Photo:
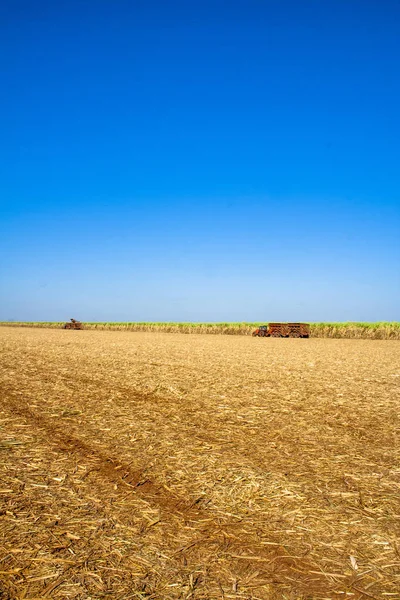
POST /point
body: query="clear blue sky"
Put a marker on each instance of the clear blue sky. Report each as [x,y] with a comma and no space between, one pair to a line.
[200,160]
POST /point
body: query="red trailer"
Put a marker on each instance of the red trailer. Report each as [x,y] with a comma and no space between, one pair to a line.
[296,330]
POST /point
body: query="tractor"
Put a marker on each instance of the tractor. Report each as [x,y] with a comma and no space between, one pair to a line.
[261,331]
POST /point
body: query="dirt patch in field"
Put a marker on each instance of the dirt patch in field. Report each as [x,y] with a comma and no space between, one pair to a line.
[151,466]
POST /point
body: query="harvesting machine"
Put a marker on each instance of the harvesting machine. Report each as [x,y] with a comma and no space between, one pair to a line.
[73,325]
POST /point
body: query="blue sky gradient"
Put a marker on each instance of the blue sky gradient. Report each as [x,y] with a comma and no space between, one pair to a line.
[192,161]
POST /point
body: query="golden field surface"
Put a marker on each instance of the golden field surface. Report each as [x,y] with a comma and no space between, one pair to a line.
[150,465]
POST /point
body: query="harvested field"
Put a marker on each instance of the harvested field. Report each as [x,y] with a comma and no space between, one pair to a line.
[143,465]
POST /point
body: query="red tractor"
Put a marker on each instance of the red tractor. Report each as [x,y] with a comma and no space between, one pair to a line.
[261,331]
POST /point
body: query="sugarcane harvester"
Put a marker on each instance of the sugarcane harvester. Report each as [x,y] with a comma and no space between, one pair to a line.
[73,324]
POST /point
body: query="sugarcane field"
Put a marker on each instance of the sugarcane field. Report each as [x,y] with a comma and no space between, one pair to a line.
[139,464]
[199,300]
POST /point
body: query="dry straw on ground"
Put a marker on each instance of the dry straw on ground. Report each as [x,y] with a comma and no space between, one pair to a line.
[204,467]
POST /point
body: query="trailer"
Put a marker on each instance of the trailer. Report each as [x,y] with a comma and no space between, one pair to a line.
[285,330]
